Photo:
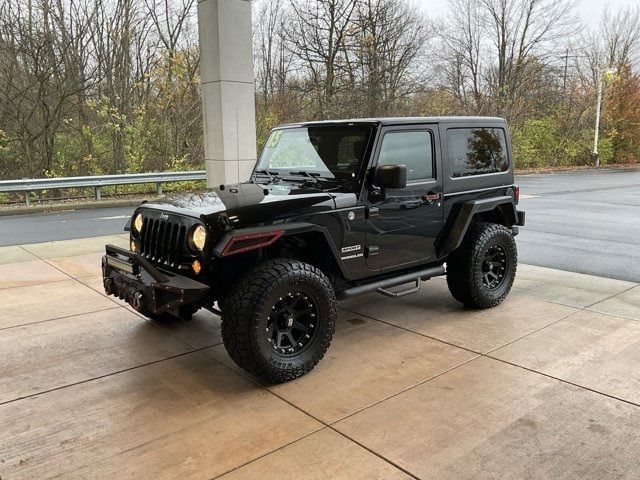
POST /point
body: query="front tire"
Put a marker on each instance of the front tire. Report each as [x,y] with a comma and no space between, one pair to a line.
[480,273]
[279,319]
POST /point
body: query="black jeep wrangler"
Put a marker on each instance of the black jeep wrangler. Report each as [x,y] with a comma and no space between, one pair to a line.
[332,210]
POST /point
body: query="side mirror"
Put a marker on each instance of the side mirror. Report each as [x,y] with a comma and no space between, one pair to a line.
[391,176]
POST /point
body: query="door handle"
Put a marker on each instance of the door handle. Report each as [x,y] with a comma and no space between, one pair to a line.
[431,197]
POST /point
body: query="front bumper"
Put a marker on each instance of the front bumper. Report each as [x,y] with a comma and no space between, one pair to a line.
[130,277]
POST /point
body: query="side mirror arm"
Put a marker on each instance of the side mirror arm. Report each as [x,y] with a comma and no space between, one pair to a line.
[377,194]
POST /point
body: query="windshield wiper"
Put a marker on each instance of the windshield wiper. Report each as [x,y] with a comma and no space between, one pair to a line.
[272,175]
[305,173]
[315,178]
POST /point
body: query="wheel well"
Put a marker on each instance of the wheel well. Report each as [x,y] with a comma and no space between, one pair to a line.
[309,247]
[501,214]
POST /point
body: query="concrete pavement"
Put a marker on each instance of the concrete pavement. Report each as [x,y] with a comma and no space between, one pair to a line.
[546,385]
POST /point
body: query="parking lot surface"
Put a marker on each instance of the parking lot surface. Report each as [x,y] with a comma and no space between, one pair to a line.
[546,385]
[585,222]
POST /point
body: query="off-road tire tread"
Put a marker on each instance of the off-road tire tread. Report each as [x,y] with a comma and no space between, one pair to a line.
[248,295]
[463,284]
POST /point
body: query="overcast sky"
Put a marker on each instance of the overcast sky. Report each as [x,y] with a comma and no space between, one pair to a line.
[590,10]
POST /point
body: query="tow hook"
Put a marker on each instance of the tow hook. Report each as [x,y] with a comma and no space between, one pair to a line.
[136,302]
[109,286]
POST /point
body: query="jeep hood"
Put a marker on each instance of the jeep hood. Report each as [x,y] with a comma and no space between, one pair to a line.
[249,203]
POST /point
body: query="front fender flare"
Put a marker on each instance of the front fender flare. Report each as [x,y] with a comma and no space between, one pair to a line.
[288,229]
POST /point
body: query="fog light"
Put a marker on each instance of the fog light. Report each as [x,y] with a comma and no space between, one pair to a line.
[196,267]
[132,246]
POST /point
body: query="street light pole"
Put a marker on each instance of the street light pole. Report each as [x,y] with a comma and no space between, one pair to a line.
[596,154]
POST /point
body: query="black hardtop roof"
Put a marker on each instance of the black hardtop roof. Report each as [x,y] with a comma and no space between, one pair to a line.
[401,121]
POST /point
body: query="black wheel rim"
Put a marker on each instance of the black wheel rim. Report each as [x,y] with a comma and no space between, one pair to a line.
[494,267]
[292,323]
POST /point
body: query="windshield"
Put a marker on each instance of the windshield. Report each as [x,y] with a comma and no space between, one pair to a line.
[323,151]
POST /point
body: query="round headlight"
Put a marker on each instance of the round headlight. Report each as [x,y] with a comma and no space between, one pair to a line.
[137,223]
[198,237]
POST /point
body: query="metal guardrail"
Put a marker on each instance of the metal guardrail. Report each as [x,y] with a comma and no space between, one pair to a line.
[29,185]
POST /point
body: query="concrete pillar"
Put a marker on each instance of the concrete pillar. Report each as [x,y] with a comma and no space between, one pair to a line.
[226,67]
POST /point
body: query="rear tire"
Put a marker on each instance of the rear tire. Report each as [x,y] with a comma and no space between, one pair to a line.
[279,319]
[480,273]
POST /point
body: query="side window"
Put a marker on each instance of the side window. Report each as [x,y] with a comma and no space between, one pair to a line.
[477,151]
[412,149]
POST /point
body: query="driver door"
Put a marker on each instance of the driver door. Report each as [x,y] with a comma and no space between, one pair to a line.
[402,226]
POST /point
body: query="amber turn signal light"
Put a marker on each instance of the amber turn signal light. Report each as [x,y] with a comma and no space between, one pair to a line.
[196,267]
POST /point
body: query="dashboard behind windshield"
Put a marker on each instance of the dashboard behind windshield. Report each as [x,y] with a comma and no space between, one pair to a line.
[324,151]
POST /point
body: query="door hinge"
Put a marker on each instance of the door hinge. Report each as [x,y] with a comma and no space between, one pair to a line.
[371,251]
[372,212]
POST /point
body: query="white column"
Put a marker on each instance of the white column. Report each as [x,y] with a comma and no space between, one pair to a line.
[226,68]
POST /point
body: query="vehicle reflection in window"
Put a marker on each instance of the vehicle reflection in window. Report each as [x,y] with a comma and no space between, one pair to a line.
[412,149]
[477,151]
[401,203]
[401,214]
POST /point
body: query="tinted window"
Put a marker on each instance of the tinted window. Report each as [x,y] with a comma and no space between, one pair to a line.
[412,149]
[476,151]
[351,149]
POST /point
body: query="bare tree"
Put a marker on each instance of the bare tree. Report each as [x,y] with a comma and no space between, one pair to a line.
[319,31]
[464,55]
[497,53]
[614,44]
[39,55]
[385,55]
[273,62]
[521,31]
[620,33]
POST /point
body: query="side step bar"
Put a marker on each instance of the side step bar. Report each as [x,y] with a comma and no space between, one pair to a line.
[401,293]
[416,276]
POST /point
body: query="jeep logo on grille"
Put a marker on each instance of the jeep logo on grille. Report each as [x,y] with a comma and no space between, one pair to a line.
[164,216]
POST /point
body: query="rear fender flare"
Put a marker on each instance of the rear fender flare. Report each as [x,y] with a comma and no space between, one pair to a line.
[461,216]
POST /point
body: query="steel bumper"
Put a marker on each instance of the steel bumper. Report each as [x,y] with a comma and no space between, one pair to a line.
[130,277]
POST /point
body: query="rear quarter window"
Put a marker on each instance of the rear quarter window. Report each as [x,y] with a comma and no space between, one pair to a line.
[477,151]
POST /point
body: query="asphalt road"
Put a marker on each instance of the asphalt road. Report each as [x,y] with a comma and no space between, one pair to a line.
[587,222]
[46,227]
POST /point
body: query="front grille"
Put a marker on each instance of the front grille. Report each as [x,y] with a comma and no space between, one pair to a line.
[163,241]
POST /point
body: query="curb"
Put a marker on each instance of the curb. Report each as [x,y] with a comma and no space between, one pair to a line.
[65,207]
[578,169]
